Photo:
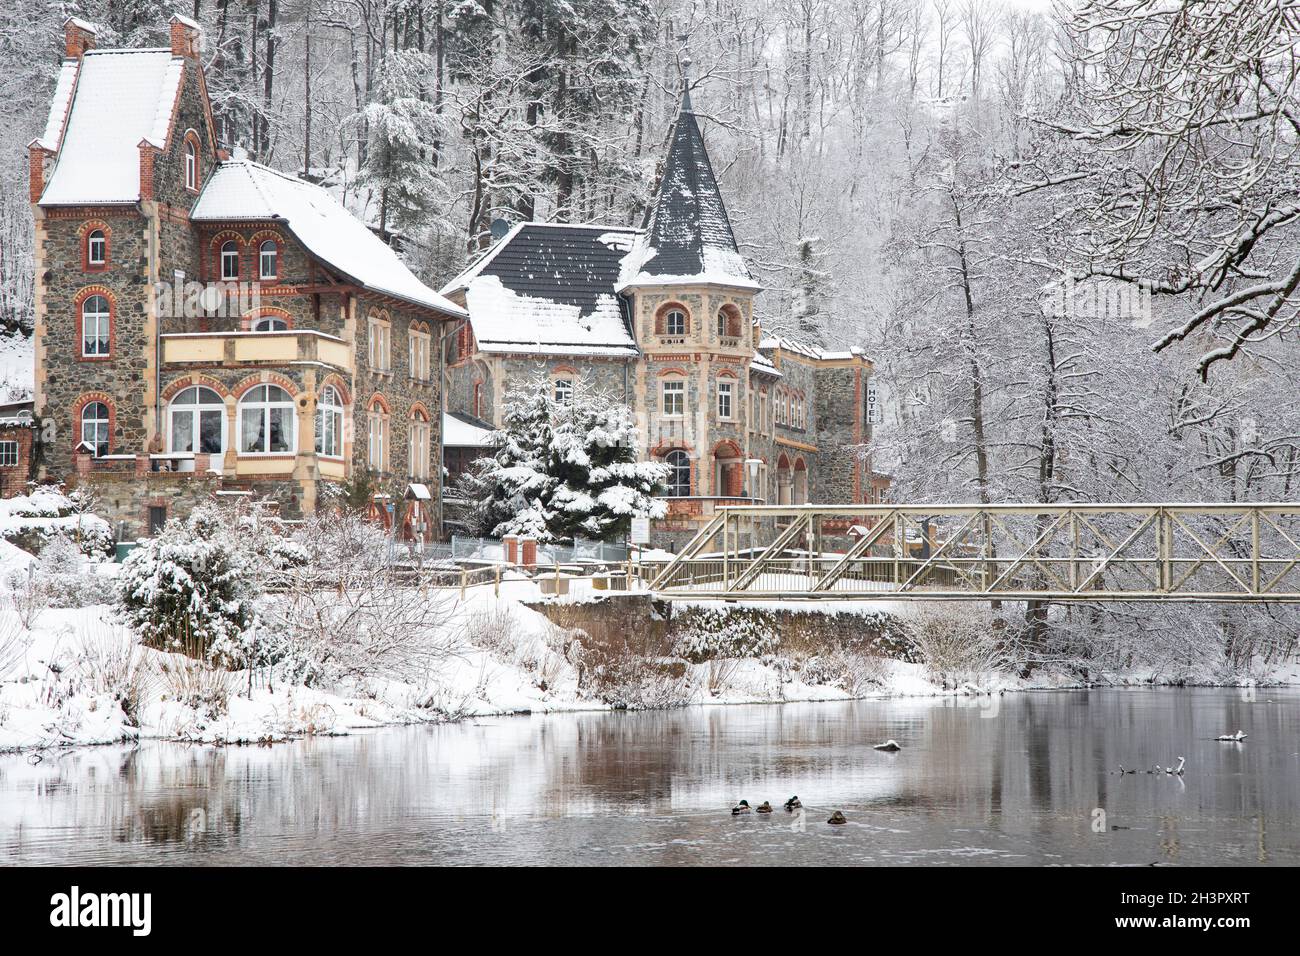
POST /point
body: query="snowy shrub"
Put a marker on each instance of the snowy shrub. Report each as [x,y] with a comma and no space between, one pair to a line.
[31,521]
[957,644]
[112,664]
[196,684]
[60,577]
[709,633]
[343,614]
[192,587]
[853,672]
[14,641]
[491,627]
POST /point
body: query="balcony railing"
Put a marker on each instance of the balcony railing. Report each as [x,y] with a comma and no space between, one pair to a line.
[255,348]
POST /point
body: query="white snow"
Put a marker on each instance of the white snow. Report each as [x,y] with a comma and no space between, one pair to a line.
[118,100]
[244,190]
[17,364]
[63,87]
[460,434]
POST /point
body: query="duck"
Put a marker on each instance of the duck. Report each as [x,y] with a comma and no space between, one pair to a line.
[889,745]
[764,807]
[793,804]
[837,818]
[1236,738]
[1122,771]
[741,807]
[1176,771]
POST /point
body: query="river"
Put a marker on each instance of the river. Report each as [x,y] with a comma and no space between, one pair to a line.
[1019,779]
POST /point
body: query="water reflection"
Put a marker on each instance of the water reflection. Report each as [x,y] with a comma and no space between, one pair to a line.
[1016,779]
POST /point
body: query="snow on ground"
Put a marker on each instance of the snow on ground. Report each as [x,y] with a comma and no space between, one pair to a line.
[60,682]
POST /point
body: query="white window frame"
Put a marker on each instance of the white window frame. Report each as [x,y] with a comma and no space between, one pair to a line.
[8,454]
[266,405]
[563,391]
[176,405]
[418,344]
[727,391]
[270,323]
[376,438]
[676,388]
[262,254]
[100,318]
[191,165]
[379,349]
[420,439]
[106,421]
[668,322]
[230,254]
[96,238]
[674,459]
[329,403]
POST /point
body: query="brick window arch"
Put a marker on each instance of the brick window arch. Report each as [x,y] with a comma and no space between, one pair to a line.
[728,322]
[191,161]
[268,319]
[673,319]
[96,313]
[96,239]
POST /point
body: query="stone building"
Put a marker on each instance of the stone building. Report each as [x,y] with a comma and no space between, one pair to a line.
[662,318]
[206,324]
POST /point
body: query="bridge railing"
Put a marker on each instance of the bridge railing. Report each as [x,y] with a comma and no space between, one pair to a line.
[1125,551]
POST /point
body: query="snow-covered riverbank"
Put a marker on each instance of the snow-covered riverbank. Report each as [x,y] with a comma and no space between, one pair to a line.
[78,677]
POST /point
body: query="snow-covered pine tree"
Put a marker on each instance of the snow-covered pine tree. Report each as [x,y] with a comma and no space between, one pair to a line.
[811,279]
[601,485]
[401,123]
[512,488]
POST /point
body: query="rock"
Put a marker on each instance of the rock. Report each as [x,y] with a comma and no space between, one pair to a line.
[888,745]
[837,818]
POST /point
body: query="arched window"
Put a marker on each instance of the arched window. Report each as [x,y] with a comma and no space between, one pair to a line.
[95,427]
[197,421]
[377,436]
[329,423]
[96,249]
[266,421]
[96,323]
[722,324]
[191,165]
[679,474]
[230,259]
[270,323]
[675,322]
[418,432]
[268,260]
[564,391]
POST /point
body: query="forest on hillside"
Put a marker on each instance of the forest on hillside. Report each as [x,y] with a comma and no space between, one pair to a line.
[1065,234]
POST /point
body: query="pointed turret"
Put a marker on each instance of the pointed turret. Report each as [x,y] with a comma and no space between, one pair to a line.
[687,229]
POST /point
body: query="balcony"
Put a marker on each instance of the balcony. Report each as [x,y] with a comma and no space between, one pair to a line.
[255,348]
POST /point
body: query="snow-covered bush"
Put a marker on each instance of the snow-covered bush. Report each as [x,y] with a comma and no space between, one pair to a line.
[60,577]
[343,614]
[708,633]
[112,663]
[197,685]
[192,587]
[31,521]
[957,644]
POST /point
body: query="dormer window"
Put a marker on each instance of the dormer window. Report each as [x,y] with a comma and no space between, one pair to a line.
[675,322]
[268,258]
[230,259]
[96,249]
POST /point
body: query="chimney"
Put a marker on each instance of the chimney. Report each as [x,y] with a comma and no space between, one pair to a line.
[186,36]
[78,37]
[37,157]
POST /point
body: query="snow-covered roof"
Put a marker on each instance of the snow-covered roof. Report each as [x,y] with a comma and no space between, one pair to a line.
[774,342]
[120,98]
[761,363]
[244,190]
[687,237]
[550,289]
[463,431]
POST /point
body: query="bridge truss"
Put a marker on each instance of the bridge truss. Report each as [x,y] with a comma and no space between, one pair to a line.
[1013,552]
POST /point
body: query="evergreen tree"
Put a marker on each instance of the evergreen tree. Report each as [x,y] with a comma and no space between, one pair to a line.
[512,488]
[401,122]
[601,484]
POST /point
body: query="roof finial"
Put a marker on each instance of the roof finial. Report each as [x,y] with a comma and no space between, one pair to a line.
[685,61]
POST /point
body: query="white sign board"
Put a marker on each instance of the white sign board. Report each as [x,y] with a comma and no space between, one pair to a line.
[874,415]
[640,531]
